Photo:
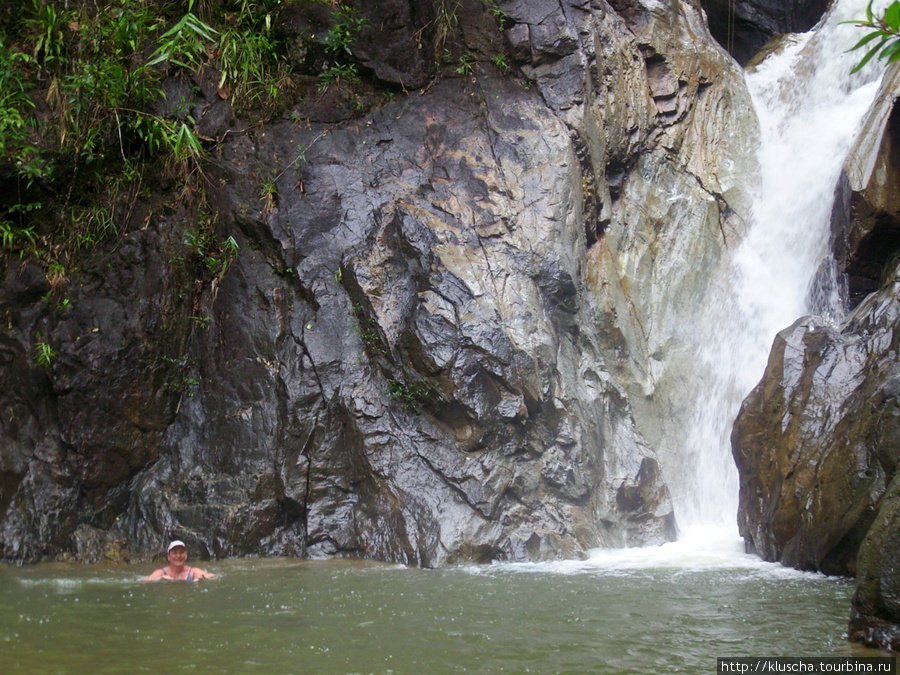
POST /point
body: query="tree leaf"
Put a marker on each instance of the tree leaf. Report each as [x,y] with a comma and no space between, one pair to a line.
[868,57]
[892,16]
[890,52]
[867,39]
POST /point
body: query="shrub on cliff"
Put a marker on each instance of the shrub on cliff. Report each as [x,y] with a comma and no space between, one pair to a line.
[83,110]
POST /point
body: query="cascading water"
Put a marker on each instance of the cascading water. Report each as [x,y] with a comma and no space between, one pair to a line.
[810,109]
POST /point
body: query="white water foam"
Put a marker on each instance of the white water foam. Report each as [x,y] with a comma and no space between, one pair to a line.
[699,549]
[810,109]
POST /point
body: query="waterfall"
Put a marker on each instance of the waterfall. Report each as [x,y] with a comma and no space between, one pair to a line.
[810,109]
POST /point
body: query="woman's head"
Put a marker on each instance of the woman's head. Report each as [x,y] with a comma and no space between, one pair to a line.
[176,552]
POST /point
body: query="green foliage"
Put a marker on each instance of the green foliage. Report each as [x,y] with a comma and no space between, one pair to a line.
[885,31]
[48,24]
[448,43]
[368,332]
[14,103]
[7,235]
[230,247]
[90,58]
[250,55]
[100,88]
[339,72]
[494,8]
[269,194]
[89,226]
[81,161]
[446,21]
[412,396]
[465,65]
[340,36]
[44,354]
[184,142]
[202,321]
[186,44]
[74,167]
[14,238]
[214,258]
[338,41]
[253,72]
[180,378]
[124,30]
[501,61]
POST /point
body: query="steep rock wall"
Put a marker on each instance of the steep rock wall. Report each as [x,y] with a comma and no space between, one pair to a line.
[428,346]
[673,206]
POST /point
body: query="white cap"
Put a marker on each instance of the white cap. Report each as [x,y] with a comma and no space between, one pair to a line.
[176,542]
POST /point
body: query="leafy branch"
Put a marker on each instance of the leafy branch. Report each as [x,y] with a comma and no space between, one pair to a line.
[885,29]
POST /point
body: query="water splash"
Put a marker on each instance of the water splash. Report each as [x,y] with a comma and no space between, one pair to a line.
[810,110]
[699,550]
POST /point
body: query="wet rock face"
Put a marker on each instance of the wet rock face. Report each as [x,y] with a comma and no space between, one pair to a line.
[815,442]
[665,172]
[397,50]
[76,430]
[875,614]
[395,363]
[866,219]
[744,26]
[429,345]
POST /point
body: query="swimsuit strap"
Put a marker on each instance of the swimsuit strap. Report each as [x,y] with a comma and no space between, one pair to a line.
[187,578]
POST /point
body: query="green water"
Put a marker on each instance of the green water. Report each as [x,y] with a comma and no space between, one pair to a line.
[288,616]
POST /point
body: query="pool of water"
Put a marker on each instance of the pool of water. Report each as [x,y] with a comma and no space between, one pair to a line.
[668,610]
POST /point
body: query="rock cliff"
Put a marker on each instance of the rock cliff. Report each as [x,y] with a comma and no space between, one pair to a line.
[428,344]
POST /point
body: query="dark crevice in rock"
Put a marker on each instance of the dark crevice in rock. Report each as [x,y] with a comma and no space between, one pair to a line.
[262,239]
[591,207]
[874,259]
[865,224]
[744,26]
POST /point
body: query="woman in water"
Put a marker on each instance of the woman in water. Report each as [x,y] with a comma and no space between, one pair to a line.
[176,570]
